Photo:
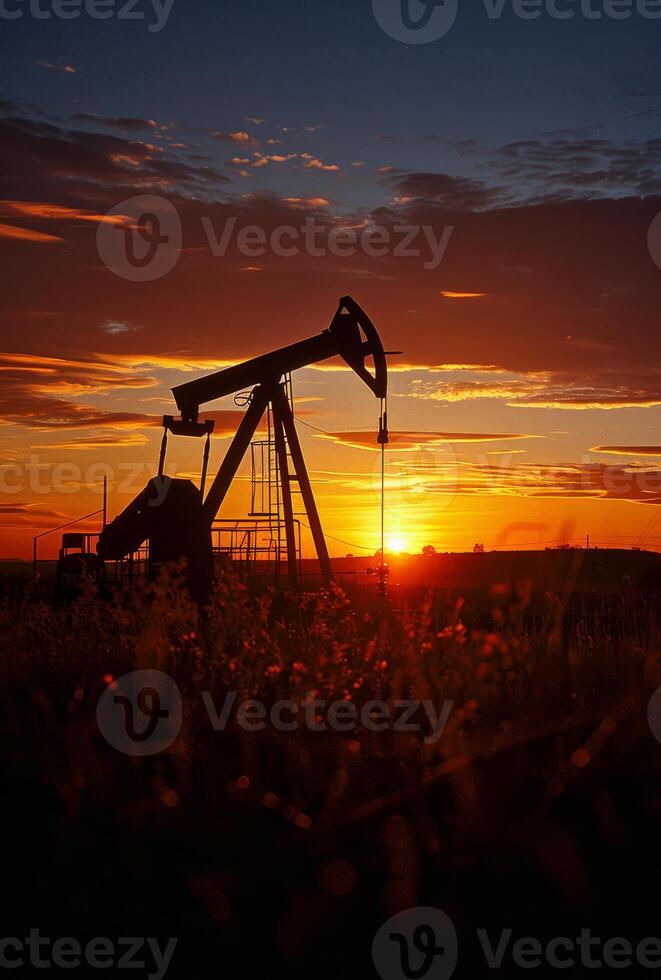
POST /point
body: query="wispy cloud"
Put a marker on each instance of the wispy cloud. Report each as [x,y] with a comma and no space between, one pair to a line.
[551,390]
[125,123]
[114,327]
[60,65]
[27,234]
[415,440]
[450,295]
[239,136]
[628,450]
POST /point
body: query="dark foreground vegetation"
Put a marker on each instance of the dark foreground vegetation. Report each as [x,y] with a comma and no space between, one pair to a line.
[279,854]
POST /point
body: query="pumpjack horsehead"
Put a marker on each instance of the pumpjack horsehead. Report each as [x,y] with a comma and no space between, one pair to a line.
[174,514]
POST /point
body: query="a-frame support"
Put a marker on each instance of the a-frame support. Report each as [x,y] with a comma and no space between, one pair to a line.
[285,437]
[286,497]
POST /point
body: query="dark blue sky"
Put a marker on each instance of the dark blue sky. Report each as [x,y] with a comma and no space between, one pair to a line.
[328,64]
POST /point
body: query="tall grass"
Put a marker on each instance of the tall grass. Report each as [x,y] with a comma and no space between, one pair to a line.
[513,676]
[543,689]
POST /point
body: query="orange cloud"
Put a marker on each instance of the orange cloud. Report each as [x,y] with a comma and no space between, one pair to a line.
[45,211]
[94,442]
[595,481]
[628,450]
[312,163]
[32,387]
[177,360]
[415,440]
[450,295]
[306,202]
[404,366]
[26,234]
[545,390]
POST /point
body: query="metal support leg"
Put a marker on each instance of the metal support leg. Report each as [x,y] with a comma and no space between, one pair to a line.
[285,413]
[287,507]
[235,454]
[164,449]
[205,465]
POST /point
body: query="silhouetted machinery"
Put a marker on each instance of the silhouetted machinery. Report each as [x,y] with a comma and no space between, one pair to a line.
[174,514]
[76,563]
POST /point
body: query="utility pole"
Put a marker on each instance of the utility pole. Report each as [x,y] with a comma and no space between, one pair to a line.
[587,543]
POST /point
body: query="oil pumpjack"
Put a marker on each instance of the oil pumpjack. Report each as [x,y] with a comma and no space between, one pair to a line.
[176,516]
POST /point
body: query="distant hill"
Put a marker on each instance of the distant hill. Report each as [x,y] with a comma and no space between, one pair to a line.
[598,570]
[12,568]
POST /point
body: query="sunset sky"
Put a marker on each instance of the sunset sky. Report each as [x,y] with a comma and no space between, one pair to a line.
[526,407]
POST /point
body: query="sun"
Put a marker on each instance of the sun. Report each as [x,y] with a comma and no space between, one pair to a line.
[396,544]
